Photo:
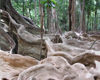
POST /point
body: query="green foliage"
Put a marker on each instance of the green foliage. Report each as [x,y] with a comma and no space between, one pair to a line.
[48,3]
[61,6]
[90,5]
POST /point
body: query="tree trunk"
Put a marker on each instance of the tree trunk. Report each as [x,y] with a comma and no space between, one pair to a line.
[55,26]
[42,25]
[35,10]
[73,14]
[6,5]
[82,17]
[72,4]
[49,16]
[23,7]
[88,20]
[95,20]
[70,22]
[52,22]
[41,13]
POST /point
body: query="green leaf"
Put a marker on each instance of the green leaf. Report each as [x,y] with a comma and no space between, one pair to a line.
[43,1]
[53,1]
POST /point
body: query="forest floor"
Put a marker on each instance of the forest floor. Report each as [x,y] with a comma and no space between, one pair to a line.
[72,56]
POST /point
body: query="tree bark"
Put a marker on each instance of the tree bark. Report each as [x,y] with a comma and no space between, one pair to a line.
[95,20]
[88,20]
[42,25]
[70,6]
[23,7]
[72,24]
[49,16]
[82,17]
[35,11]
[55,26]
[52,23]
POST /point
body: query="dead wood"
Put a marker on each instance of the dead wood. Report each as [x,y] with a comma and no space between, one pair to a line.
[92,44]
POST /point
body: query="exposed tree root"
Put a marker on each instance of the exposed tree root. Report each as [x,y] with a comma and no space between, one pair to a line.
[28,39]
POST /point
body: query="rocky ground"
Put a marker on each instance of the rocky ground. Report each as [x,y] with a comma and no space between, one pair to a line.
[72,56]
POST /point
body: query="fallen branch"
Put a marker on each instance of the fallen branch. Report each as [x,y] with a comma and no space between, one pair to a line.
[92,44]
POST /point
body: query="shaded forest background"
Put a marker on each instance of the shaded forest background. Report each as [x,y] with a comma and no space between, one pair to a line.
[61,8]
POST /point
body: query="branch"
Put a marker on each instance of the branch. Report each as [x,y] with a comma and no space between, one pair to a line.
[92,44]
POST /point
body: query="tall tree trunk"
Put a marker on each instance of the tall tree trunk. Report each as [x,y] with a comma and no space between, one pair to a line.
[82,17]
[35,10]
[95,20]
[52,23]
[73,15]
[72,4]
[55,26]
[42,26]
[92,24]
[41,10]
[2,3]
[49,16]
[70,22]
[44,15]
[23,7]
[88,19]
[28,10]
